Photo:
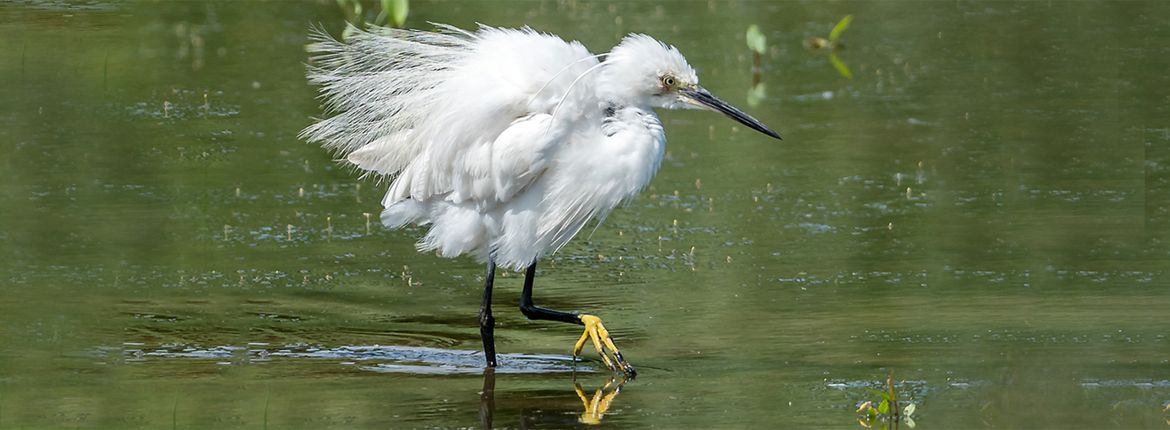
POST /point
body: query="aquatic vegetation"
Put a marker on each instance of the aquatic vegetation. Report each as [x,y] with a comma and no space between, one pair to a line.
[393,12]
[817,43]
[833,44]
[840,27]
[758,43]
[757,94]
[886,413]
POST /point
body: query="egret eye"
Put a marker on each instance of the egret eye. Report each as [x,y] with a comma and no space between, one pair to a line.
[668,81]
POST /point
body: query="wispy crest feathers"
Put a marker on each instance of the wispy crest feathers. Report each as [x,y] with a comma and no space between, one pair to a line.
[378,84]
[421,102]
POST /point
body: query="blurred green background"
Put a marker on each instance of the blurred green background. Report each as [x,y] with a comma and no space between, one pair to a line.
[983,209]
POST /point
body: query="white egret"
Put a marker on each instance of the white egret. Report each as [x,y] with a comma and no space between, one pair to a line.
[506,142]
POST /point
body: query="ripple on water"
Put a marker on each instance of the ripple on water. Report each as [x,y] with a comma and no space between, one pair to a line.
[63,5]
[1125,383]
[372,358]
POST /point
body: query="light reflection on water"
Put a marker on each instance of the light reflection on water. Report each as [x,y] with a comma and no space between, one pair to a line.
[372,358]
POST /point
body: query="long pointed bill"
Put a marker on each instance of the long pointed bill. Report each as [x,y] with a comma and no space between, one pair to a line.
[701,98]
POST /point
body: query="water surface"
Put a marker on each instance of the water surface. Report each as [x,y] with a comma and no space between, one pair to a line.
[982,210]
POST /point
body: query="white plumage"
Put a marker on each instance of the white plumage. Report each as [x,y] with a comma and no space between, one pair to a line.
[507,142]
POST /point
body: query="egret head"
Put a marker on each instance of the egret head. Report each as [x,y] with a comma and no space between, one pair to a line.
[645,72]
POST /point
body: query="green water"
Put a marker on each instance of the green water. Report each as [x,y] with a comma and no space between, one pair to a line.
[984,209]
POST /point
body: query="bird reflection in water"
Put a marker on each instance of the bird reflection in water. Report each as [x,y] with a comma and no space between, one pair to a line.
[487,398]
[594,408]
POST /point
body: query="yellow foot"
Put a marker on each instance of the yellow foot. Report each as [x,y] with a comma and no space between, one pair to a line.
[600,336]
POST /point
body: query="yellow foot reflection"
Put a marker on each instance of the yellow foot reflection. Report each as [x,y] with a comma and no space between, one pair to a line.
[596,407]
[600,336]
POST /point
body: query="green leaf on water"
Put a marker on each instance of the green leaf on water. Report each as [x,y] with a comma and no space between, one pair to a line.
[884,407]
[756,41]
[840,66]
[840,27]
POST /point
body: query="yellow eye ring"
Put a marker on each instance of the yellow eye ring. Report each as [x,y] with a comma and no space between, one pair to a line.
[668,81]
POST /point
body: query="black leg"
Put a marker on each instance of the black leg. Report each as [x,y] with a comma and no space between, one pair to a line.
[534,313]
[486,322]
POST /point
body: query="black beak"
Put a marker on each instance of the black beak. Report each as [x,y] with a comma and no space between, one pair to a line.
[700,97]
